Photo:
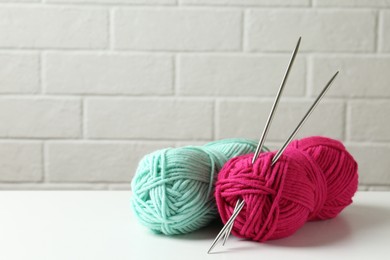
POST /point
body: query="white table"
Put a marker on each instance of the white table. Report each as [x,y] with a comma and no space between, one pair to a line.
[99,225]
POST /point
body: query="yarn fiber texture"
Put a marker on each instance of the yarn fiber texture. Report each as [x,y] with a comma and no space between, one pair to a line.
[314,179]
[173,188]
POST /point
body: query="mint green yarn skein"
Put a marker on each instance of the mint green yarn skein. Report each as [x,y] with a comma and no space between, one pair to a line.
[173,188]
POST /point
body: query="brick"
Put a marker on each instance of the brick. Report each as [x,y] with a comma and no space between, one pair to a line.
[379,188]
[120,187]
[53,186]
[149,118]
[20,161]
[321,30]
[39,118]
[358,76]
[138,2]
[384,38]
[53,27]
[247,119]
[177,29]
[362,188]
[18,1]
[96,162]
[272,146]
[238,75]
[247,2]
[373,161]
[19,73]
[369,120]
[190,143]
[109,74]
[352,3]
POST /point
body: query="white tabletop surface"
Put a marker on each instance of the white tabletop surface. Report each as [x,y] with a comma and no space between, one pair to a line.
[99,225]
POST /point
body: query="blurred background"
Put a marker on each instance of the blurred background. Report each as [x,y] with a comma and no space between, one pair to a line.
[87,87]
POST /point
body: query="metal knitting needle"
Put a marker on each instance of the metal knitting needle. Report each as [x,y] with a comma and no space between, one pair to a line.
[281,150]
[229,230]
[277,156]
[232,218]
[275,105]
[270,117]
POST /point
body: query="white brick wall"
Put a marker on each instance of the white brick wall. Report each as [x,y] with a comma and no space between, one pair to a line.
[237,75]
[87,87]
[70,73]
[322,30]
[177,29]
[328,119]
[38,117]
[19,73]
[96,161]
[148,118]
[53,27]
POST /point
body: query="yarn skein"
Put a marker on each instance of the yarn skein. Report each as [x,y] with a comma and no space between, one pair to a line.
[173,188]
[314,179]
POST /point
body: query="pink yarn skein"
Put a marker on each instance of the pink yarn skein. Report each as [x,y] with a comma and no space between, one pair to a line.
[314,179]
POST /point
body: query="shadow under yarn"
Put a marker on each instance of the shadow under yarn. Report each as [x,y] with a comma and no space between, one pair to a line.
[317,233]
[354,220]
[357,220]
[204,233]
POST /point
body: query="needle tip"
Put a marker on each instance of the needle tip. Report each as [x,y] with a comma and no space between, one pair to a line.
[299,42]
[334,76]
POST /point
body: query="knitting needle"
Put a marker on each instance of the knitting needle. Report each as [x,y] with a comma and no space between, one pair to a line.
[232,218]
[277,156]
[229,230]
[281,150]
[274,106]
[270,117]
